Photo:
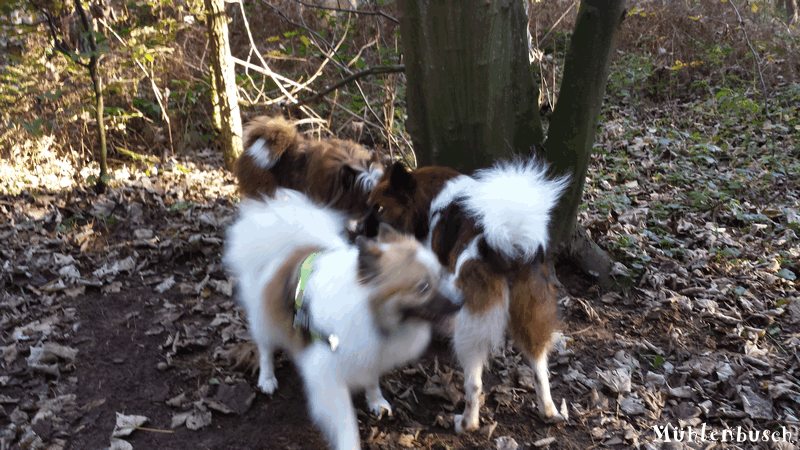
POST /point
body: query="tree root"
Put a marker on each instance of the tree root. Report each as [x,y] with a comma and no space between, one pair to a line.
[588,257]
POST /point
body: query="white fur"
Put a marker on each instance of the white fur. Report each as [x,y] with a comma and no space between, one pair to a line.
[448,288]
[261,154]
[368,179]
[512,202]
[459,186]
[547,409]
[476,335]
[261,239]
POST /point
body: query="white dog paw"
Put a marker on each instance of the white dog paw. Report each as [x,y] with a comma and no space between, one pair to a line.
[267,384]
[551,415]
[462,427]
[554,419]
[380,407]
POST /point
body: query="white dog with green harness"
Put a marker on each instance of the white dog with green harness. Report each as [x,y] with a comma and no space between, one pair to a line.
[345,313]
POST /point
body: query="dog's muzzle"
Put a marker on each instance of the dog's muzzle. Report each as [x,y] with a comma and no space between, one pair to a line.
[437,308]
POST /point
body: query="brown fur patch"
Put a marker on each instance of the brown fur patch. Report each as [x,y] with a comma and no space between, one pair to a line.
[533,310]
[278,295]
[369,256]
[396,278]
[324,170]
[481,287]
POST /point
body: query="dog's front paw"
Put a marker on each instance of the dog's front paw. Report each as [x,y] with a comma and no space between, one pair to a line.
[267,383]
[462,426]
[379,407]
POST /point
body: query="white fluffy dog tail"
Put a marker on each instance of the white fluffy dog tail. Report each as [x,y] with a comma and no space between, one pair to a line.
[512,202]
[268,230]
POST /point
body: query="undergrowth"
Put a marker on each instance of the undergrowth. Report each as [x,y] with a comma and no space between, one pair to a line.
[684,81]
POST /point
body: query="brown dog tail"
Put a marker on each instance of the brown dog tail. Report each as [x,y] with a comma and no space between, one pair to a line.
[267,140]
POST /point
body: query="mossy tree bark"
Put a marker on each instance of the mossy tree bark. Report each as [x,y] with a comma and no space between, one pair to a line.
[226,98]
[471,96]
[574,123]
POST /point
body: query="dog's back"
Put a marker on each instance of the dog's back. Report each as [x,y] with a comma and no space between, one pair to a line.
[333,172]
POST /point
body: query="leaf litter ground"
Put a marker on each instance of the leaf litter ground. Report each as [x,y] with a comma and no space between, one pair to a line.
[119,328]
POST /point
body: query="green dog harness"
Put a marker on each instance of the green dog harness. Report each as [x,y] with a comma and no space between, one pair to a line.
[302,318]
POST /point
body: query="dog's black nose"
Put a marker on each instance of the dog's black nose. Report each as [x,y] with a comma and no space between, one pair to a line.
[445,306]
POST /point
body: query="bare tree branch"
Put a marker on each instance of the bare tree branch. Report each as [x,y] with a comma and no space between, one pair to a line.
[340,64]
[353,77]
[59,44]
[354,11]
[267,70]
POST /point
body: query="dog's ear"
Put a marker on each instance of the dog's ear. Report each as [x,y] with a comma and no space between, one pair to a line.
[368,255]
[348,176]
[387,234]
[400,179]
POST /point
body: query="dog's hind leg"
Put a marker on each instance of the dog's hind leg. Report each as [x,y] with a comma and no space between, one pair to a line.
[533,320]
[266,371]
[547,409]
[476,334]
[471,356]
[261,330]
[329,400]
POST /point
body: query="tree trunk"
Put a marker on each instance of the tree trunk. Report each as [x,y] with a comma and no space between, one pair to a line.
[97,82]
[472,99]
[224,81]
[575,120]
[792,12]
[102,182]
[470,92]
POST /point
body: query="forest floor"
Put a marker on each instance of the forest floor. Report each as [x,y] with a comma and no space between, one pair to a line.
[116,305]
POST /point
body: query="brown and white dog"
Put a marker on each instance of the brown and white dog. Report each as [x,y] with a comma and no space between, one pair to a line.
[490,231]
[334,172]
[345,313]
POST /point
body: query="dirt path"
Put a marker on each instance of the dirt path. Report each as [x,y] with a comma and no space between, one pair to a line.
[118,372]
